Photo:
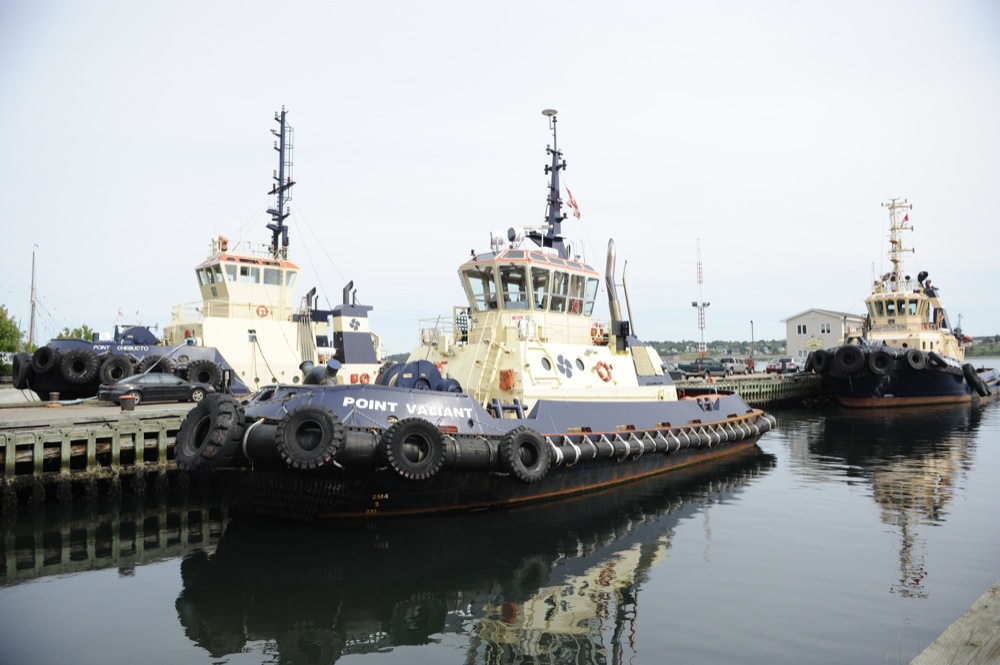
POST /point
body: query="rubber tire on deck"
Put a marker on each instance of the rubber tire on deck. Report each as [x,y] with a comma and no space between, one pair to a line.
[975,381]
[21,370]
[880,362]
[45,359]
[309,437]
[205,371]
[155,365]
[849,359]
[114,369]
[210,434]
[79,366]
[525,454]
[820,361]
[413,438]
[915,359]
[934,360]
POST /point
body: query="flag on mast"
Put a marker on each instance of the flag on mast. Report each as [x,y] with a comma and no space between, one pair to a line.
[906,219]
[572,203]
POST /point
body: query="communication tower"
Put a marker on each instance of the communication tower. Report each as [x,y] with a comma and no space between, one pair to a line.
[701,305]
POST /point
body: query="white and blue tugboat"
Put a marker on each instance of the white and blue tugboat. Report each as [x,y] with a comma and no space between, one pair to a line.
[520,395]
[908,352]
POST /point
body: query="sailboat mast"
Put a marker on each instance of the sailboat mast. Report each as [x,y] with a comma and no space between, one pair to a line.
[31,324]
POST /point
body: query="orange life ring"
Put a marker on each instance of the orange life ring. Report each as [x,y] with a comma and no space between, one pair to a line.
[597,333]
[603,370]
[262,311]
[365,378]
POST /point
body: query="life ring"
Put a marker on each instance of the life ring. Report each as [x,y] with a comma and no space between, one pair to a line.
[309,437]
[262,311]
[414,448]
[916,359]
[364,378]
[597,334]
[210,434]
[880,362]
[79,366]
[524,453]
[603,370]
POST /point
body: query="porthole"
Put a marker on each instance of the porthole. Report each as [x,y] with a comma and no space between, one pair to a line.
[579,364]
[546,364]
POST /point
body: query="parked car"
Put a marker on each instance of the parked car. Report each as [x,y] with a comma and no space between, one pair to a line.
[153,387]
[705,367]
[782,365]
[673,370]
[737,365]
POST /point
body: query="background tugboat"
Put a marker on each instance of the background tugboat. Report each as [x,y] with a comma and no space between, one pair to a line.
[520,395]
[248,309]
[907,353]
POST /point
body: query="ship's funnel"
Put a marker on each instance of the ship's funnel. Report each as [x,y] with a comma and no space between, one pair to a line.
[609,279]
[347,292]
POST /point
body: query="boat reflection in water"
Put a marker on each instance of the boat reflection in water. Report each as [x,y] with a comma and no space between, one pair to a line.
[913,458]
[528,582]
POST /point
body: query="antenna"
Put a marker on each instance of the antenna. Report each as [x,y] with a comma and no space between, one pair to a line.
[282,187]
[701,305]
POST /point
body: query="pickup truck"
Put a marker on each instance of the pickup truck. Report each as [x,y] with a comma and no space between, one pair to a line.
[705,367]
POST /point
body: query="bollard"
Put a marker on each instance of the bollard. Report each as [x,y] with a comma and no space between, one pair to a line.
[127,402]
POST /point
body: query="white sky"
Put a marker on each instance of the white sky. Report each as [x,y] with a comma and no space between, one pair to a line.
[133,132]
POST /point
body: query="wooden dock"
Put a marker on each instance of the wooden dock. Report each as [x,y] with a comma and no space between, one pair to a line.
[974,639]
[763,390]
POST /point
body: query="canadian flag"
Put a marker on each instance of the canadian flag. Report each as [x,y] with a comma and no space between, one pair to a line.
[572,203]
[906,219]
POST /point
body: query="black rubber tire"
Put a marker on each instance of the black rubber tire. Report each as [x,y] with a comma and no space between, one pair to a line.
[210,434]
[915,359]
[155,365]
[820,361]
[79,366]
[205,371]
[114,369]
[414,448]
[45,359]
[880,362]
[975,381]
[309,437]
[849,359]
[21,370]
[524,453]
[934,360]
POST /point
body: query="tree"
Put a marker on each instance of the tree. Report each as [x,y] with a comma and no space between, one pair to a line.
[10,335]
[83,332]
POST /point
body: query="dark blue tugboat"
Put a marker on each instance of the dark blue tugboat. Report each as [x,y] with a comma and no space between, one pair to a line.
[908,352]
[520,395]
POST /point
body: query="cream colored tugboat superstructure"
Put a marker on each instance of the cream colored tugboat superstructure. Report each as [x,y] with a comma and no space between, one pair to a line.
[908,352]
[248,309]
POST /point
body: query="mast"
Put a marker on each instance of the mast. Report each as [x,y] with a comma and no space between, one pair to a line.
[894,279]
[282,187]
[31,324]
[554,215]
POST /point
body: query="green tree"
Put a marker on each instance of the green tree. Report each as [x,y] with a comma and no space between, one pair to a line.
[10,335]
[83,332]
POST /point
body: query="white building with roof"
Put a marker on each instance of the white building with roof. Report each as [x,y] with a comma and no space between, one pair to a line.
[818,329]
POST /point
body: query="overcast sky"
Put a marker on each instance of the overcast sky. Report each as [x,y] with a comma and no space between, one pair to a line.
[131,133]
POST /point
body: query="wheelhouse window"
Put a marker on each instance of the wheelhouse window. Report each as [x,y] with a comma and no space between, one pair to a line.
[577,291]
[560,291]
[514,286]
[914,307]
[588,307]
[249,274]
[480,287]
[540,287]
[230,272]
[290,278]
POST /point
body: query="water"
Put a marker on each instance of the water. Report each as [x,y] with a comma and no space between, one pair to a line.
[847,537]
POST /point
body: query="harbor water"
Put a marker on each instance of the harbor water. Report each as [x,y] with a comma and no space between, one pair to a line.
[846,536]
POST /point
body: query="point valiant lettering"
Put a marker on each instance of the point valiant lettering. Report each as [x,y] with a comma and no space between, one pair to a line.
[433,410]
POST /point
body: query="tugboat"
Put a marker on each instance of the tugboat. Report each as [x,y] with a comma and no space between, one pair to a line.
[248,310]
[520,395]
[907,352]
